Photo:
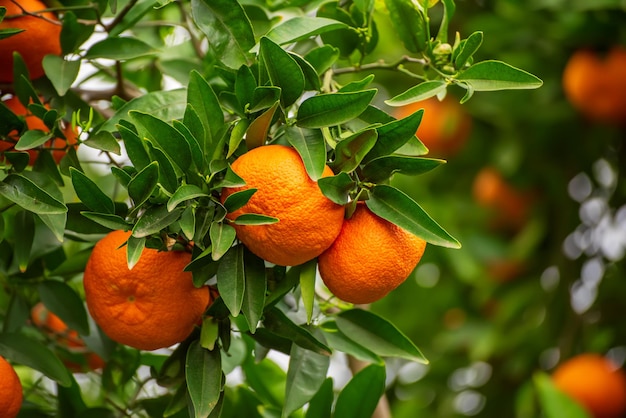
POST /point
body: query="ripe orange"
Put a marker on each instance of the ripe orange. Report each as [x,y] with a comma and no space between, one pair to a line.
[154,305]
[370,257]
[39,38]
[595,84]
[57,145]
[445,125]
[308,221]
[511,206]
[595,382]
[10,390]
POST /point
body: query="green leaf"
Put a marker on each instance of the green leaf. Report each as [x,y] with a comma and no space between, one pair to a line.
[183,193]
[154,220]
[345,40]
[337,340]
[330,109]
[141,186]
[113,222]
[395,134]
[231,280]
[382,168]
[378,335]
[321,404]
[119,49]
[397,207]
[554,402]
[494,75]
[448,11]
[360,396]
[322,58]
[25,224]
[90,194]
[24,192]
[203,374]
[311,146]
[337,188]
[165,105]
[135,148]
[410,24]
[245,83]
[238,199]
[283,71]
[278,323]
[305,376]
[31,353]
[6,33]
[307,287]
[64,302]
[357,85]
[204,101]
[264,97]
[73,33]
[301,28]
[61,72]
[228,28]
[222,238]
[237,135]
[166,138]
[134,248]
[168,173]
[103,141]
[257,131]
[31,139]
[254,294]
[467,49]
[417,93]
[351,151]
[255,219]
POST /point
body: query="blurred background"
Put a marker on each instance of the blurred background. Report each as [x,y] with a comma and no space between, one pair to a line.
[535,190]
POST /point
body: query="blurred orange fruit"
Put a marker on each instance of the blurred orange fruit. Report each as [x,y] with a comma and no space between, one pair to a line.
[154,305]
[595,382]
[445,125]
[58,146]
[308,221]
[595,84]
[510,206]
[370,257]
[10,390]
[39,38]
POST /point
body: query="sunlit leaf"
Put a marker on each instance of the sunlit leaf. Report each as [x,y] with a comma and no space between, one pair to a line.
[311,146]
[331,109]
[494,75]
[360,396]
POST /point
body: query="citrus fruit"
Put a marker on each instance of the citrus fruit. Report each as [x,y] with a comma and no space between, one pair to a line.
[308,221]
[594,84]
[370,257]
[154,305]
[445,125]
[595,382]
[58,146]
[10,390]
[39,38]
[510,205]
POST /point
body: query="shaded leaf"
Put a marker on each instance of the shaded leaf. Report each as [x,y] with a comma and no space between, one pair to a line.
[330,109]
[25,193]
[351,151]
[154,220]
[254,294]
[278,323]
[257,131]
[231,279]
[360,396]
[203,374]
[305,375]
[337,188]
[283,71]
[90,194]
[383,168]
[64,302]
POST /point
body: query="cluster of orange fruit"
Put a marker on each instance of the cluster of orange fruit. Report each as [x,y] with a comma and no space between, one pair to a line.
[595,382]
[39,37]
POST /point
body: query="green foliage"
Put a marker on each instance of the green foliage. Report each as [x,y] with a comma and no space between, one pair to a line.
[168,119]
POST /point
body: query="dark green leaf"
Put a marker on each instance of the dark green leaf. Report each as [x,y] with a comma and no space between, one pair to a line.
[257,131]
[305,375]
[378,335]
[73,33]
[25,224]
[395,206]
[154,220]
[203,374]
[134,248]
[183,193]
[113,222]
[255,219]
[119,49]
[168,174]
[494,75]
[337,188]
[467,49]
[90,194]
[31,139]
[63,301]
[254,294]
[417,93]
[301,28]
[321,404]
[307,287]
[322,58]
[135,148]
[382,168]
[205,103]
[231,279]
[448,11]
[283,71]
[141,186]
[345,40]
[228,29]
[238,199]
[31,353]
[245,83]
[351,151]
[264,97]
[311,146]
[222,238]
[278,323]
[360,396]
[25,193]
[395,134]
[330,109]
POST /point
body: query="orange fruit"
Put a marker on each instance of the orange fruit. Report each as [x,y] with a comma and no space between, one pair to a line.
[57,145]
[370,257]
[595,84]
[595,382]
[510,206]
[445,125]
[54,326]
[308,221]
[10,390]
[154,305]
[39,38]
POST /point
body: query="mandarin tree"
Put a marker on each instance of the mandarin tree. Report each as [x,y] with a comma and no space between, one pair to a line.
[217,184]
